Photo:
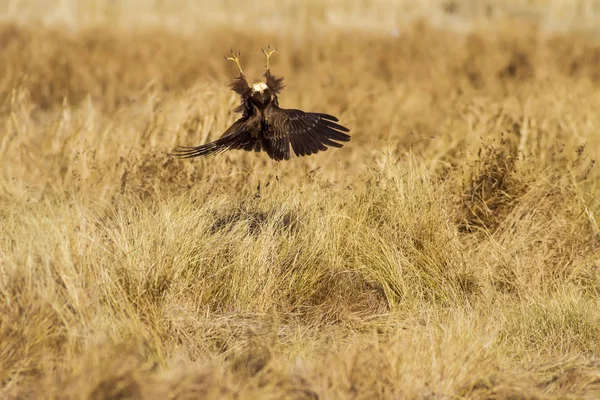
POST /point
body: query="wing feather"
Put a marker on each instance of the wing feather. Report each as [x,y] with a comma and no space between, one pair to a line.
[277,148]
[308,133]
[238,136]
[240,86]
[274,83]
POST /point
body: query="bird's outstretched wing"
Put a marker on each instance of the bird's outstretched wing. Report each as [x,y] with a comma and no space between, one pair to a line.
[308,133]
[236,137]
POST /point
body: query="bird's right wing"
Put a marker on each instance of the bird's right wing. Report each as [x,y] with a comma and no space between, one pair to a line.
[236,137]
[307,132]
[274,83]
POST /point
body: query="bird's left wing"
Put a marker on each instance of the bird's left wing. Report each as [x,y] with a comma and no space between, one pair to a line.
[308,133]
[241,87]
[236,137]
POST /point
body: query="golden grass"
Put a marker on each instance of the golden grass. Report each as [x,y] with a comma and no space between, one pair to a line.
[451,250]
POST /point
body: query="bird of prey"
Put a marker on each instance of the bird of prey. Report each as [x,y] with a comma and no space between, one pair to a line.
[264,126]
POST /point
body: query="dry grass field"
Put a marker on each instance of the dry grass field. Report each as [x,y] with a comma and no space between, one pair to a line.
[450,250]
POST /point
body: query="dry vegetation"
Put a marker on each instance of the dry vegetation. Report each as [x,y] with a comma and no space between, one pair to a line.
[451,250]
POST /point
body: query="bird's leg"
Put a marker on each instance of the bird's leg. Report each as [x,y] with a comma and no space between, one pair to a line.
[268,54]
[236,58]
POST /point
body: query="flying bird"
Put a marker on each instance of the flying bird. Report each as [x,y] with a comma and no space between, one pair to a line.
[264,126]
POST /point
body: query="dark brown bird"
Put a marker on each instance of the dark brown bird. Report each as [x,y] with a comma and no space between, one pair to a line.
[264,126]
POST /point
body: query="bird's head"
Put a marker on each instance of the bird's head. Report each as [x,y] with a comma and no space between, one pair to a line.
[261,93]
[259,87]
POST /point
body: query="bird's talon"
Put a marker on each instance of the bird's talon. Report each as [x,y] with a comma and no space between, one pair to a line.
[236,58]
[268,53]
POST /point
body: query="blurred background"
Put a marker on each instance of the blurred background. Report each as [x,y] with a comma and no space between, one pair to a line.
[298,16]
